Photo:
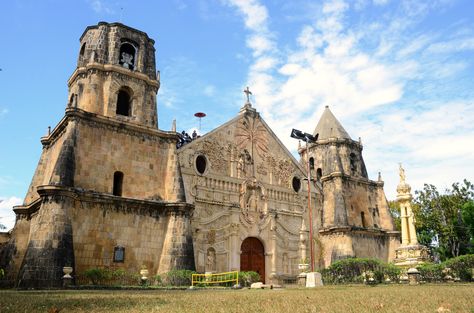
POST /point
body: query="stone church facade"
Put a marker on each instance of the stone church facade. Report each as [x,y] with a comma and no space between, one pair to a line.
[113,190]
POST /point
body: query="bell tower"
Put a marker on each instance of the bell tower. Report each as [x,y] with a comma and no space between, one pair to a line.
[355,209]
[116,75]
[105,164]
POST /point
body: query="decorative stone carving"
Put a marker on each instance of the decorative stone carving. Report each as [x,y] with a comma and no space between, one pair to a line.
[211,237]
[215,152]
[253,201]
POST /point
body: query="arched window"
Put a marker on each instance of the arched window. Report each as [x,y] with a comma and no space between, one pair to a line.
[353,160]
[118,182]
[123,103]
[81,52]
[362,218]
[319,174]
[311,163]
[127,56]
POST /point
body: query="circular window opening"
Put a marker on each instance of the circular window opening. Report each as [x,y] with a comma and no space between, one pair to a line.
[201,164]
[296,184]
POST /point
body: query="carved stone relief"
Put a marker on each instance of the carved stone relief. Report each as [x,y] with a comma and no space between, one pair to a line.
[253,201]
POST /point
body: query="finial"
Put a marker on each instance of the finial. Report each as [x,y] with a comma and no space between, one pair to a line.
[247,93]
[327,106]
[360,140]
[158,74]
[173,126]
[247,106]
[380,177]
[401,173]
[49,130]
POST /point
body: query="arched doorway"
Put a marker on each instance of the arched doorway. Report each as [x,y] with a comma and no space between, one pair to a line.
[252,257]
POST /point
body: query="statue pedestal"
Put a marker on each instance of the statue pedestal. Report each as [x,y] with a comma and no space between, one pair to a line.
[411,256]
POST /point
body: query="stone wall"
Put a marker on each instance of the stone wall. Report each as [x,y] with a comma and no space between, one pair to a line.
[342,243]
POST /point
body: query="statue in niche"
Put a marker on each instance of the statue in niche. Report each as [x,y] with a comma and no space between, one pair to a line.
[244,164]
[252,201]
[127,60]
[211,260]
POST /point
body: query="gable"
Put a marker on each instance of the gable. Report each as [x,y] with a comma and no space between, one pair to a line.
[244,147]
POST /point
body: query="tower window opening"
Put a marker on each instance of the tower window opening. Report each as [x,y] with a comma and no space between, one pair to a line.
[123,103]
[362,218]
[319,174]
[353,160]
[81,52]
[311,163]
[118,182]
[127,56]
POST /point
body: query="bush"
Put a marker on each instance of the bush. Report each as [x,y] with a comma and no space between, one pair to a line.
[431,272]
[248,278]
[178,278]
[461,267]
[97,275]
[357,270]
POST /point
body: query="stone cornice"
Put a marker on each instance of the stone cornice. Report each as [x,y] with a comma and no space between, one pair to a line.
[54,191]
[75,113]
[112,68]
[332,141]
[359,230]
[352,178]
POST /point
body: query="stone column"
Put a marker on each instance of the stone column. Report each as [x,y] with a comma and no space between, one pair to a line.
[274,247]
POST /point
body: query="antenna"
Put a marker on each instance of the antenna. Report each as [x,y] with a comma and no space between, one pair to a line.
[199,115]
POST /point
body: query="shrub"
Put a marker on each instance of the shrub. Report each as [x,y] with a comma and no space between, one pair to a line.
[157,280]
[248,278]
[356,270]
[97,275]
[178,277]
[461,267]
[431,272]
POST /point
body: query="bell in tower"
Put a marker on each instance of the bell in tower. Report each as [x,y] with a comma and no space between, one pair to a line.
[116,74]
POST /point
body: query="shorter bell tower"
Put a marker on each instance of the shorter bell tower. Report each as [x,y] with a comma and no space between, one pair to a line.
[116,74]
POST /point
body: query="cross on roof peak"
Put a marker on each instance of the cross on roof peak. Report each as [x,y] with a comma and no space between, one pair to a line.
[247,93]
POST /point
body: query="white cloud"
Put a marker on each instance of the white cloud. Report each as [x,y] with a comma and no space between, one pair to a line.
[371,75]
[209,90]
[3,111]
[101,6]
[7,216]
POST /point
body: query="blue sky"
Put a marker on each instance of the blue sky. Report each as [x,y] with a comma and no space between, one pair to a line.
[399,74]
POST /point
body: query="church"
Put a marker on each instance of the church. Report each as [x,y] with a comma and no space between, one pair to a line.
[113,190]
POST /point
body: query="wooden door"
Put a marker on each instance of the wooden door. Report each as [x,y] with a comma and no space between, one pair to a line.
[252,257]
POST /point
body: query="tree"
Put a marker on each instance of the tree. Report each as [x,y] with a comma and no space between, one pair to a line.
[468,219]
[439,218]
[394,210]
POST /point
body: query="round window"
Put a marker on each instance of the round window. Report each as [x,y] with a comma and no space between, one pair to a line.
[201,164]
[296,184]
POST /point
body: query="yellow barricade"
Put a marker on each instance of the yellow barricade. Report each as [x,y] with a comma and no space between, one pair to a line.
[212,279]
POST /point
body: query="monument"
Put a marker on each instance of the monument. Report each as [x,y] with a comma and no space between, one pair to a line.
[410,253]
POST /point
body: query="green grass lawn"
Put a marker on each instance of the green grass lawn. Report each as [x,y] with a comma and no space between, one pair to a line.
[383,298]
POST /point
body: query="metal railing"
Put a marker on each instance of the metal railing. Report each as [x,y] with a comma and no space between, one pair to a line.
[215,279]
